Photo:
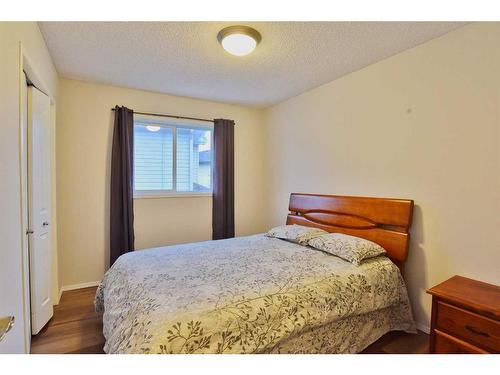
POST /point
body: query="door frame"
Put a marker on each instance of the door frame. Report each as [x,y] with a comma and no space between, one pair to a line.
[28,66]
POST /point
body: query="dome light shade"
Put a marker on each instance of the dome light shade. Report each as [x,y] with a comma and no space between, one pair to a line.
[239,40]
[239,44]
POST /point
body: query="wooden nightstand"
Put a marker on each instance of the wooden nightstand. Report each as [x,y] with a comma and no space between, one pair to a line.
[465,317]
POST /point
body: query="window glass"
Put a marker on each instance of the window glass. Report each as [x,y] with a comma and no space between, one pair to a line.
[194,160]
[154,162]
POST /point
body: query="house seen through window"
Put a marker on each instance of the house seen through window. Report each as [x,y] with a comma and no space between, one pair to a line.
[172,157]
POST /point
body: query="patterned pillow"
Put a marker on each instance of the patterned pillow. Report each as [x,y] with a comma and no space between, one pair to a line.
[350,248]
[296,233]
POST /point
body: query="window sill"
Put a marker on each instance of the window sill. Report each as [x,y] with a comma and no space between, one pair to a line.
[185,195]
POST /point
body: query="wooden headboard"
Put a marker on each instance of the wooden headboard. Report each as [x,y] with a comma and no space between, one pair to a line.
[382,220]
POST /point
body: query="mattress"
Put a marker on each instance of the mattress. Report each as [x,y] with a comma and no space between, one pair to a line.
[248,295]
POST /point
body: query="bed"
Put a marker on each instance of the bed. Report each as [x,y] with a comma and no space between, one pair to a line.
[257,294]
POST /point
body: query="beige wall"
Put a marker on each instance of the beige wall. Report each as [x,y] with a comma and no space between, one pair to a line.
[423,124]
[167,221]
[83,160]
[11,264]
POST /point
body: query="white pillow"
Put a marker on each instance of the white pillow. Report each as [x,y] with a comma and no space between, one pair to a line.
[296,233]
[350,248]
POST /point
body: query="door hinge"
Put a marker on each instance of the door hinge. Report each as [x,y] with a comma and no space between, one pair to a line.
[29,231]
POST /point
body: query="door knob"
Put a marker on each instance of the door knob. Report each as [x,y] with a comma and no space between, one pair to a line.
[6,324]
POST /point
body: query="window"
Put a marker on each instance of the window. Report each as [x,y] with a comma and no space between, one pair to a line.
[172,157]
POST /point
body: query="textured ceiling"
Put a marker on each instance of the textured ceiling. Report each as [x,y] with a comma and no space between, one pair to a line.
[184,58]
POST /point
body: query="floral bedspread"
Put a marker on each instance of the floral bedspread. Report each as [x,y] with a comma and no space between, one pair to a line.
[241,295]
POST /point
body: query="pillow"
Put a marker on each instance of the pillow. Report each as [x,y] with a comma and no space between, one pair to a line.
[295,233]
[350,248]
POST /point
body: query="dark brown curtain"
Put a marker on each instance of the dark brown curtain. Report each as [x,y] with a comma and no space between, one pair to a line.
[223,180]
[122,199]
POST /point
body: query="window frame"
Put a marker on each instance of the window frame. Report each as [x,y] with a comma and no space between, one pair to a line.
[174,124]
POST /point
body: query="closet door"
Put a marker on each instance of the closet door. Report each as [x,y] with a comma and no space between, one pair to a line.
[39,192]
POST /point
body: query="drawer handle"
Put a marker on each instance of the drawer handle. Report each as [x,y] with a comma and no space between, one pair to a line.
[474,330]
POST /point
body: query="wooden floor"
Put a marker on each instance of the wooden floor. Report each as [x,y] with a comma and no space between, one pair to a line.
[76,328]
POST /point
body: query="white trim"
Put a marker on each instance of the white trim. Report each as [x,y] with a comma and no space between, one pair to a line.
[60,295]
[66,288]
[174,161]
[176,195]
[23,174]
[424,327]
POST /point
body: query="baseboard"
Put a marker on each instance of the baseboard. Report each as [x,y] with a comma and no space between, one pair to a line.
[65,288]
[424,327]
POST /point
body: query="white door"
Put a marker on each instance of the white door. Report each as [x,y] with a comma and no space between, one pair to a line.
[39,204]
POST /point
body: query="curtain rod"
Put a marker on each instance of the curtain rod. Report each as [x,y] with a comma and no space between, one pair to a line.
[171,116]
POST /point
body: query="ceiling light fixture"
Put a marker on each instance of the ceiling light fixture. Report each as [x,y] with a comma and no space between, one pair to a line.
[239,40]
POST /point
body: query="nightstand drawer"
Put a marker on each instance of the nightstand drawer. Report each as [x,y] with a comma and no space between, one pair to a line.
[446,344]
[468,326]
